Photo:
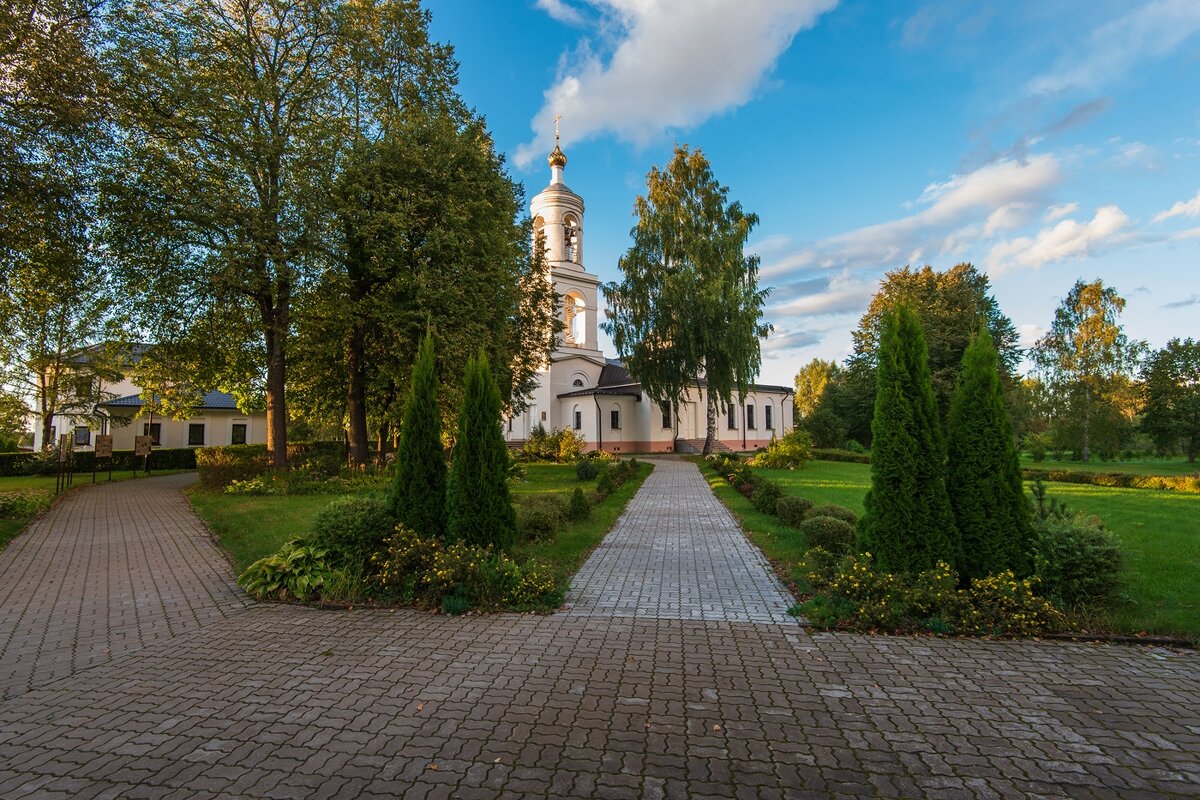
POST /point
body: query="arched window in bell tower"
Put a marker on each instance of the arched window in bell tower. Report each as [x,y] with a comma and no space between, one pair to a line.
[575,319]
[539,232]
[571,237]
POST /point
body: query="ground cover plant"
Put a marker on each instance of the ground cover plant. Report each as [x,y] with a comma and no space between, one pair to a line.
[1156,531]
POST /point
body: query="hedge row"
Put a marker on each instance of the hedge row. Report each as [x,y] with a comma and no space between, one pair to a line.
[45,464]
[832,454]
[220,466]
[1117,480]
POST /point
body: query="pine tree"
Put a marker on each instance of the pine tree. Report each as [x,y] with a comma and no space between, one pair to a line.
[418,496]
[908,525]
[983,476]
[479,508]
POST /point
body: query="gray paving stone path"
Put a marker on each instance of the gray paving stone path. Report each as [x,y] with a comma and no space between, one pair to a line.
[677,553]
[109,570]
[274,701]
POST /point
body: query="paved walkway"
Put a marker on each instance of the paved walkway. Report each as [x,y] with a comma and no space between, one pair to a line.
[107,571]
[283,701]
[677,553]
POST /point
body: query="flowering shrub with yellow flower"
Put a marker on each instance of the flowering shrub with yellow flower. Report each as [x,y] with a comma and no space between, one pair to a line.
[415,569]
[851,593]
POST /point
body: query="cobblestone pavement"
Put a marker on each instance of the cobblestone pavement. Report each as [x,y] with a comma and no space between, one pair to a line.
[677,553]
[284,702]
[108,570]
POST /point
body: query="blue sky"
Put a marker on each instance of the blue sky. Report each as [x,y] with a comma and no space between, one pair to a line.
[1042,142]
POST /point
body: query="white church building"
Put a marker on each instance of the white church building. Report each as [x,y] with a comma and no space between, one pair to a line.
[595,396]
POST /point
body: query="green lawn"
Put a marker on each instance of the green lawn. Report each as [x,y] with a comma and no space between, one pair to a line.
[1141,466]
[252,527]
[1159,532]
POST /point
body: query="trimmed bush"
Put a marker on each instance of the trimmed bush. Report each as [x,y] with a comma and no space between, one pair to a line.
[479,508]
[766,495]
[350,529]
[837,512]
[790,452]
[1117,480]
[220,466]
[586,469]
[909,524]
[828,533]
[540,517]
[848,456]
[1077,561]
[559,446]
[579,508]
[792,510]
[418,494]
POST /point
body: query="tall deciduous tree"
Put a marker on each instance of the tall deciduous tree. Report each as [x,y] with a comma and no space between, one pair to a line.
[908,525]
[983,475]
[229,129]
[1085,355]
[951,306]
[811,382]
[1172,385]
[479,507]
[418,495]
[689,306]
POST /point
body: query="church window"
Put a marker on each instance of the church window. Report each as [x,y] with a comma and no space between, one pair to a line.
[83,436]
[539,231]
[667,417]
[768,420]
[732,417]
[575,318]
[615,419]
[577,382]
[578,419]
[750,424]
[571,238]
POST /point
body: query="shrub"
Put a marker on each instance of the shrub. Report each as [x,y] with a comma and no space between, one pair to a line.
[790,452]
[830,454]
[828,533]
[766,495]
[562,446]
[220,466]
[297,571]
[425,571]
[1118,480]
[418,494]
[1037,444]
[540,517]
[350,529]
[853,593]
[837,512]
[479,508]
[853,446]
[579,508]
[1077,561]
[18,505]
[586,469]
[605,486]
[791,510]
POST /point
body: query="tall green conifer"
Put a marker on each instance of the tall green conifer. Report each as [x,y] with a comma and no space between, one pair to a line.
[983,476]
[418,496]
[479,508]
[908,525]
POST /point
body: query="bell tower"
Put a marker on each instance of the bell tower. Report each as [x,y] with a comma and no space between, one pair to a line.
[558,219]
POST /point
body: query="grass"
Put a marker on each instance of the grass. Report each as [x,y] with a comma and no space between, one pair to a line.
[251,527]
[1159,532]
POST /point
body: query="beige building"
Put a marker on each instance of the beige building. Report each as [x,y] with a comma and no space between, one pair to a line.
[596,396]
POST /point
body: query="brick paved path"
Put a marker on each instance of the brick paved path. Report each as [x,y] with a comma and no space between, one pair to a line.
[108,570]
[677,553]
[283,701]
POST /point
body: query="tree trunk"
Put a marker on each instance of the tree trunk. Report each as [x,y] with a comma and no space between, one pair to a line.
[356,403]
[384,433]
[710,433]
[1087,424]
[276,336]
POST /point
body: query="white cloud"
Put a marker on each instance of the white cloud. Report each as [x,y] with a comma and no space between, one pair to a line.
[1007,217]
[1184,208]
[1153,30]
[1059,211]
[673,64]
[1191,233]
[844,294]
[1136,155]
[559,10]
[1028,334]
[1067,239]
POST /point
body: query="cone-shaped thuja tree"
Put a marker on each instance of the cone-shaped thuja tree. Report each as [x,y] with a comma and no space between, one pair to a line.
[983,476]
[418,496]
[479,508]
[908,525]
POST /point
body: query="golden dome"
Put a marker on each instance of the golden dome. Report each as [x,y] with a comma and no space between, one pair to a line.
[557,157]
